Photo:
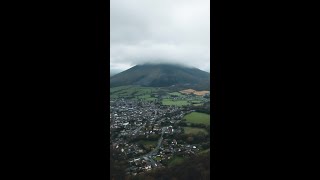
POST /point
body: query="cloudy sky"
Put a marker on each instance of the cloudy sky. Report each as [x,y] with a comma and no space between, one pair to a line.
[154,31]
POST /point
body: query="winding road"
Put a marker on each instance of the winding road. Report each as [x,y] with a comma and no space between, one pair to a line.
[155,150]
[134,132]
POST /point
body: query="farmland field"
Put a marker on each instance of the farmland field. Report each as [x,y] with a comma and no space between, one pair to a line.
[146,97]
[196,102]
[176,94]
[192,91]
[135,92]
[170,102]
[192,130]
[198,118]
[153,94]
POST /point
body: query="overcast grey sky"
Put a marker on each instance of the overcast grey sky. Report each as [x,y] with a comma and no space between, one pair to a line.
[157,31]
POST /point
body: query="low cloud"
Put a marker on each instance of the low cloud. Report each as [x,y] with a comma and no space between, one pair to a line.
[160,31]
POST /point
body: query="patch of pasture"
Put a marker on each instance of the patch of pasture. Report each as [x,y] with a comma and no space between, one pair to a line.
[171,102]
[198,118]
[132,91]
[176,94]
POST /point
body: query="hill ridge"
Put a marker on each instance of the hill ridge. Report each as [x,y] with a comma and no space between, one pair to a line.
[163,75]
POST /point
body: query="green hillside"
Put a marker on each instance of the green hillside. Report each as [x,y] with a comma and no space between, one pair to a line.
[163,75]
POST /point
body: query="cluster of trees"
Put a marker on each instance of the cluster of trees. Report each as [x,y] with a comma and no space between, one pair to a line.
[193,138]
[194,168]
[205,145]
[172,114]
[117,167]
[165,123]
[152,137]
[185,124]
[202,109]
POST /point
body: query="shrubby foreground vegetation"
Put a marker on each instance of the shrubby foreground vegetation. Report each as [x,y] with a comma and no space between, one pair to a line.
[193,168]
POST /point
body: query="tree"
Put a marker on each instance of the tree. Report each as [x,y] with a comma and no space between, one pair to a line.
[116,167]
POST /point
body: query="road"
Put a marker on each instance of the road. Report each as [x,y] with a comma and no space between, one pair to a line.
[155,150]
[138,129]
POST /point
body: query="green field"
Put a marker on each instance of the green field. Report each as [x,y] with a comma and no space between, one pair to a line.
[120,88]
[150,99]
[146,97]
[175,161]
[157,158]
[193,130]
[198,118]
[196,102]
[135,92]
[151,94]
[170,102]
[176,94]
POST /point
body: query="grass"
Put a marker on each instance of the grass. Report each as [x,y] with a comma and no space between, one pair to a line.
[132,91]
[176,94]
[144,96]
[144,93]
[193,130]
[196,102]
[175,161]
[115,89]
[198,118]
[170,102]
[150,99]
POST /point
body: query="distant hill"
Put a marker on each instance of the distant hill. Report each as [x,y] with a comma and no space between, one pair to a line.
[163,75]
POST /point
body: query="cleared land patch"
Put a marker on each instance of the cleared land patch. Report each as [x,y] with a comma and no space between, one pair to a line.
[201,93]
[187,91]
[192,91]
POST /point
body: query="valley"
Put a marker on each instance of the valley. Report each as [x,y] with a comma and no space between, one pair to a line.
[157,127]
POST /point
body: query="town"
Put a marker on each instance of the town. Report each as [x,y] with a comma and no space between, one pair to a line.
[149,135]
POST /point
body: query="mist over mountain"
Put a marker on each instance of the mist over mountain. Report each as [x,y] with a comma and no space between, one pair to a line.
[163,75]
[114,72]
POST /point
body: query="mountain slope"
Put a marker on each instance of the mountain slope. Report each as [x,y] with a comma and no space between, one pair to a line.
[162,75]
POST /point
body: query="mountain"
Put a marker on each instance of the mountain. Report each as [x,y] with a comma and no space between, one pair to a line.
[163,75]
[114,72]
